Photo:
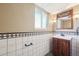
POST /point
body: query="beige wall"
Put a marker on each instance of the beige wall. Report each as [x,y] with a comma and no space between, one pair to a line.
[16,17]
[76,16]
[76,9]
[21,18]
[52,24]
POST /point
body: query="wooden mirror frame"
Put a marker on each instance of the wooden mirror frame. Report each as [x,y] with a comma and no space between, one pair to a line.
[64,14]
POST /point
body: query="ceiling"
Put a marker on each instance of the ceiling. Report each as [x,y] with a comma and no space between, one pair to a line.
[54,8]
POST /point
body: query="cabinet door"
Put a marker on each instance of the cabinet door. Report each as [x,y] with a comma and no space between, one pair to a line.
[59,47]
[54,46]
[66,48]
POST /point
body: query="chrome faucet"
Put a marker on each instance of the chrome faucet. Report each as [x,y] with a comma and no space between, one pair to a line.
[77,30]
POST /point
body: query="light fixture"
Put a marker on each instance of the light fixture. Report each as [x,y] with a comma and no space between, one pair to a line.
[76,16]
[52,21]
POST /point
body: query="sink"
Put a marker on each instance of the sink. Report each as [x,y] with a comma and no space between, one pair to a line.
[62,34]
[67,37]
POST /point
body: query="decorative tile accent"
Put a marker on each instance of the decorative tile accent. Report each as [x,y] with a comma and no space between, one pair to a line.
[20,34]
[24,34]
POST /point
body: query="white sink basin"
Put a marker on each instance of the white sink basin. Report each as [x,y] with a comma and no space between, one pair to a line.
[67,37]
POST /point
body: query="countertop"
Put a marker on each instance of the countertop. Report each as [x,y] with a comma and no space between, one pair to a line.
[67,37]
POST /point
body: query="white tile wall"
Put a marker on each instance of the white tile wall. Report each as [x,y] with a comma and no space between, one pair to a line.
[16,46]
[74,41]
[19,43]
[11,45]
[25,41]
[4,54]
[24,52]
[13,53]
[3,46]
[19,52]
[75,46]
[40,45]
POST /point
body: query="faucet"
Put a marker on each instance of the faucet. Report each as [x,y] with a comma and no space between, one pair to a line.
[62,34]
[77,30]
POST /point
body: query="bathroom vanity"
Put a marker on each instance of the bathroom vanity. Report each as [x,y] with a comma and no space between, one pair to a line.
[61,46]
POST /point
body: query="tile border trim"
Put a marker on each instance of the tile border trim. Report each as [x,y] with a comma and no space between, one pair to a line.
[21,34]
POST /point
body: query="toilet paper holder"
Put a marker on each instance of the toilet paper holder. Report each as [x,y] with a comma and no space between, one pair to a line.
[28,44]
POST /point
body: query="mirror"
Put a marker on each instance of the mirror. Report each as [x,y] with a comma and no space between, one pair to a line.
[65,20]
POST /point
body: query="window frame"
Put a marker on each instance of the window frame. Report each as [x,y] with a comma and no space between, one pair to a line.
[41,13]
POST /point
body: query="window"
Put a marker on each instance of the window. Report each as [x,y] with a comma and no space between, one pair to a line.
[44,20]
[37,18]
[41,18]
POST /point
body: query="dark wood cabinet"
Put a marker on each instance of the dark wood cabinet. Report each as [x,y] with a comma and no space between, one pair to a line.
[61,47]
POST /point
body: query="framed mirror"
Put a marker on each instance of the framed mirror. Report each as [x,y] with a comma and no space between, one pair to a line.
[65,20]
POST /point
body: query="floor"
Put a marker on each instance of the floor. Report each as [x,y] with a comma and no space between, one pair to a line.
[49,54]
